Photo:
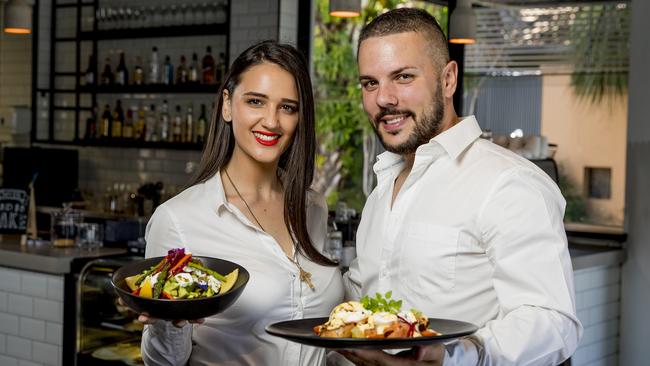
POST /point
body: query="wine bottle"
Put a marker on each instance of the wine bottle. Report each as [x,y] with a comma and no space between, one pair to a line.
[221,67]
[177,125]
[118,120]
[181,72]
[127,129]
[164,122]
[168,72]
[107,77]
[193,73]
[188,129]
[121,73]
[106,123]
[138,72]
[154,74]
[207,64]
[201,125]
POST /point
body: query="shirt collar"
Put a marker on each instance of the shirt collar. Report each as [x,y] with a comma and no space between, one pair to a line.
[213,188]
[452,141]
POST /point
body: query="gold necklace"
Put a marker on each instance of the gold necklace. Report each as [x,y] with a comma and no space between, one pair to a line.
[304,275]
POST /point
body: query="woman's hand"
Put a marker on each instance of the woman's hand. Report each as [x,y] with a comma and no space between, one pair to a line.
[432,355]
[146,319]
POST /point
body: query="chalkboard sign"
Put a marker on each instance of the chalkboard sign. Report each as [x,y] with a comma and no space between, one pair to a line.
[13,210]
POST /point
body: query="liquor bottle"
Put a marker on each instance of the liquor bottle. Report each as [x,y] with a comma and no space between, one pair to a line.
[140,128]
[208,66]
[193,73]
[151,133]
[91,125]
[118,120]
[188,129]
[181,72]
[168,72]
[127,129]
[177,125]
[106,123]
[154,67]
[221,67]
[163,127]
[121,74]
[107,74]
[201,125]
[138,72]
[89,77]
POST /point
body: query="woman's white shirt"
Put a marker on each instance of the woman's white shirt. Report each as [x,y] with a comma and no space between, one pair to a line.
[201,220]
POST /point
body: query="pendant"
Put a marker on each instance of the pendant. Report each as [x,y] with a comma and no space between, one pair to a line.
[306,278]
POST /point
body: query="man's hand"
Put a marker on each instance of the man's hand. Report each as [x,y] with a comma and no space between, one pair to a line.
[146,319]
[418,356]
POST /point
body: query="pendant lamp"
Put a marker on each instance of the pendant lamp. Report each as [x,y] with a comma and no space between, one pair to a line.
[345,8]
[462,23]
[18,17]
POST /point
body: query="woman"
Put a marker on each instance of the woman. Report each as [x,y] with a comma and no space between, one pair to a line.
[251,204]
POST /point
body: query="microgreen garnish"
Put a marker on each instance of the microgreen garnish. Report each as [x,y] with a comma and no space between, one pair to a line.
[380,303]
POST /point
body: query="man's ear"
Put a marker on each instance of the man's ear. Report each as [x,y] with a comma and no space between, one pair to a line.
[226,108]
[449,79]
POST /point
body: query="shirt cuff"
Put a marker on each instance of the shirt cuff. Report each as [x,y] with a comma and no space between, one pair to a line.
[463,352]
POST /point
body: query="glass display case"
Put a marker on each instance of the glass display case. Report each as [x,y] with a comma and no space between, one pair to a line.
[107,333]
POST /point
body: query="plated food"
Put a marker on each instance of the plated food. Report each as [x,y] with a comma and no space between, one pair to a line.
[180,276]
[180,285]
[378,317]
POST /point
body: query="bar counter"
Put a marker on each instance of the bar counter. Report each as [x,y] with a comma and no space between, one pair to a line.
[46,258]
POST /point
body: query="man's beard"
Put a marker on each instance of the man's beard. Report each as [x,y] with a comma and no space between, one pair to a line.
[425,129]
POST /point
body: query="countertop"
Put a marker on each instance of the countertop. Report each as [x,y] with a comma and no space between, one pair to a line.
[586,256]
[46,258]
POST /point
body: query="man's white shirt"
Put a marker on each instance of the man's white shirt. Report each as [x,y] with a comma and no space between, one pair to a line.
[475,234]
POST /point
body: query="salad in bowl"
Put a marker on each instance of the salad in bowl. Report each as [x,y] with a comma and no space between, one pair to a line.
[180,285]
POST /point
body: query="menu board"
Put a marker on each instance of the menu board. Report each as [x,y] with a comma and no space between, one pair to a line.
[13,210]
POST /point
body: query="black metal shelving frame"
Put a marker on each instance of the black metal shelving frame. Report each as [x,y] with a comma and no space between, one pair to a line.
[95,36]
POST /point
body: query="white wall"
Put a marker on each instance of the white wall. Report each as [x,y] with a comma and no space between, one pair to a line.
[635,317]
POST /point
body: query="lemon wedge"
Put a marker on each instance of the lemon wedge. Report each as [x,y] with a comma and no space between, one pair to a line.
[131,280]
[231,278]
[145,290]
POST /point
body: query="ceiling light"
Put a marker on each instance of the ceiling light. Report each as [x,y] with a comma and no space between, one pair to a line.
[18,17]
[462,23]
[345,8]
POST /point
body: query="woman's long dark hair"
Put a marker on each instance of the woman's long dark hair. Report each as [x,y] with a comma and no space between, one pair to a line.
[297,162]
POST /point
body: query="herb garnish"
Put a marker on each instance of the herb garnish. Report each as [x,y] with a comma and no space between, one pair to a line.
[380,303]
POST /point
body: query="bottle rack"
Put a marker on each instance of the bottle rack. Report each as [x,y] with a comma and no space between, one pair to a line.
[92,38]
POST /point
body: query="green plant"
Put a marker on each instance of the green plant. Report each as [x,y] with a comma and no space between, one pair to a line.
[341,122]
[601,52]
[576,205]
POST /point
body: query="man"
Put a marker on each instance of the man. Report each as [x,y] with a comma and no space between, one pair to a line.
[457,227]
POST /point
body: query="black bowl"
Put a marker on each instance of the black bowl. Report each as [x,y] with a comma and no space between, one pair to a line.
[180,309]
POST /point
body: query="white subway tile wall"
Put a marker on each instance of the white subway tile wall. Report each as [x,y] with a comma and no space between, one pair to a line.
[598,307]
[31,318]
[288,23]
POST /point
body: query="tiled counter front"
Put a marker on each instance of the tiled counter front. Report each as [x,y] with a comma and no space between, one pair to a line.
[598,303]
[31,318]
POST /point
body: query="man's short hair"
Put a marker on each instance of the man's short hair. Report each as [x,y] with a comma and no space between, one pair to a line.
[402,20]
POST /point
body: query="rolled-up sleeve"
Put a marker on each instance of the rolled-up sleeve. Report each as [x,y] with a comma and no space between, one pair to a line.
[521,224]
[162,342]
